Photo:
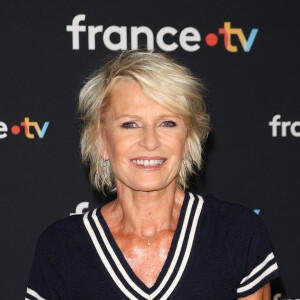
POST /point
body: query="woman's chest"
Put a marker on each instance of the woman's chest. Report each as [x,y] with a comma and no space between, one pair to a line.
[195,267]
[206,278]
[207,274]
[146,258]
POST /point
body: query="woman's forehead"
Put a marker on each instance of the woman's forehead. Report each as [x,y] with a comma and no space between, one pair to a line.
[128,96]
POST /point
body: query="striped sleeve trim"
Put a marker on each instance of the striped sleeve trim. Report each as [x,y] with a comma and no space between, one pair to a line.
[34,294]
[258,279]
[258,274]
[259,267]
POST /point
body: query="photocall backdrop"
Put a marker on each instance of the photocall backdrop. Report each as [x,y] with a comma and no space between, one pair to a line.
[246,52]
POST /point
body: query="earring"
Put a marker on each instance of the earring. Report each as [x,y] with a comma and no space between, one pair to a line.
[105,163]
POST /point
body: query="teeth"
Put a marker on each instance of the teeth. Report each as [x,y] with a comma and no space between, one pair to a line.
[145,162]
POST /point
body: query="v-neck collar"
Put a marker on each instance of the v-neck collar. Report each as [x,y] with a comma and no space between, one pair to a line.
[119,269]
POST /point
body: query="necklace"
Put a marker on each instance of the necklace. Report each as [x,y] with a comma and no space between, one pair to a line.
[148,239]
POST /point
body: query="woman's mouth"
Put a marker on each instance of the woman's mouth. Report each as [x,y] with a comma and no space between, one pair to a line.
[148,162]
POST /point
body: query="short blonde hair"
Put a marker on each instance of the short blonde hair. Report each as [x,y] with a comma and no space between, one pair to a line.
[166,82]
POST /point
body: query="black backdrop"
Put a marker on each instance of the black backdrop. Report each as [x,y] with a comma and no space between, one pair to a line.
[42,178]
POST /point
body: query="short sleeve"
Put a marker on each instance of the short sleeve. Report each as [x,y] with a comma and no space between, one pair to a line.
[46,280]
[252,253]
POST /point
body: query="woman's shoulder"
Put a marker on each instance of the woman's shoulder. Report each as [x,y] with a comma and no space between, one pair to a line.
[242,238]
[61,245]
[239,224]
[60,232]
[231,214]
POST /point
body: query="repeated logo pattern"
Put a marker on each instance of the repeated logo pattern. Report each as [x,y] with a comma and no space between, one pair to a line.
[31,129]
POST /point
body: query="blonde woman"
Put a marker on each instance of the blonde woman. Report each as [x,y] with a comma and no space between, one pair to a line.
[144,124]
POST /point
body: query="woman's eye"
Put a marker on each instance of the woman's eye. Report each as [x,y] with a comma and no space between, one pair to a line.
[168,124]
[129,125]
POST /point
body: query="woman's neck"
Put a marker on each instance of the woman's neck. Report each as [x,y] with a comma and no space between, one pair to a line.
[145,213]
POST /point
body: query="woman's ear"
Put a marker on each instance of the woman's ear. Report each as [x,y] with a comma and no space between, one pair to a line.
[103,146]
[186,145]
[104,154]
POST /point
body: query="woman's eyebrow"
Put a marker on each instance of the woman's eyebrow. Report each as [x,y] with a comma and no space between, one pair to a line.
[126,116]
[137,117]
[169,116]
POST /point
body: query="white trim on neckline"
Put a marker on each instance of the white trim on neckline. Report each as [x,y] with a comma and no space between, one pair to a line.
[115,258]
[104,259]
[187,251]
[178,248]
[173,263]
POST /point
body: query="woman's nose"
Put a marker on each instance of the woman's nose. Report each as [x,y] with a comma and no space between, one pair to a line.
[150,139]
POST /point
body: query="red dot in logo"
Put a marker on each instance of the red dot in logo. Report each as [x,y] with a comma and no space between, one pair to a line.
[15,129]
[211,39]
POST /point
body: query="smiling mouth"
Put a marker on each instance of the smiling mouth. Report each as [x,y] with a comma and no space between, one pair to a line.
[148,162]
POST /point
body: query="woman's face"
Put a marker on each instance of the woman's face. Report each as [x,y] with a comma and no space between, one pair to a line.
[144,141]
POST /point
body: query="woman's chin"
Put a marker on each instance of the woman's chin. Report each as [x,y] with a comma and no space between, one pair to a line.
[150,186]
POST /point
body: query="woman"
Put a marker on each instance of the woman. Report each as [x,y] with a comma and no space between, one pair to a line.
[144,123]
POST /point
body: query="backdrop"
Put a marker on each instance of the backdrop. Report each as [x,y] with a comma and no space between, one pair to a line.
[246,52]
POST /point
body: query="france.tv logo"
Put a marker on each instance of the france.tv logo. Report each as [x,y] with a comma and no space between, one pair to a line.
[31,129]
[168,38]
[212,39]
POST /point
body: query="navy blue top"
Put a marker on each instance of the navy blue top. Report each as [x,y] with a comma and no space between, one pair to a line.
[219,251]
